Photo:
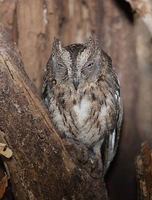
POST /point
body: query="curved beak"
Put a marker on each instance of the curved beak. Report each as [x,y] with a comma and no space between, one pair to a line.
[76,83]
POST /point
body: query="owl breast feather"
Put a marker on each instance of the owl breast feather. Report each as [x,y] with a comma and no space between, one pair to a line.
[82,110]
[83,120]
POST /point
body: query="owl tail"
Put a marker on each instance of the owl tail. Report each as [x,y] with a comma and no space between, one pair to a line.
[109,149]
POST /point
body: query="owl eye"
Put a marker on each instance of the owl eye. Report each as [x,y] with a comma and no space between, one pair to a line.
[61,66]
[61,71]
[90,64]
[88,67]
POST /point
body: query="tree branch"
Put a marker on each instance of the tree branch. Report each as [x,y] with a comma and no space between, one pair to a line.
[41,167]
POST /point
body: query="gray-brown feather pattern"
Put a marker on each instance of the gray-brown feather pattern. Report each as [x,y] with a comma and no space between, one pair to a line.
[101,98]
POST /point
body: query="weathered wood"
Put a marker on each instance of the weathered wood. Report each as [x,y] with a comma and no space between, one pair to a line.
[41,168]
[37,22]
[144,173]
[124,35]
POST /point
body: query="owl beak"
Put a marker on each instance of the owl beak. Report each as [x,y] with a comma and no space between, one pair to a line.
[76,84]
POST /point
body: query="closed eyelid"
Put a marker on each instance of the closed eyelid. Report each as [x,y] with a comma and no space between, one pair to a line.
[88,65]
[61,64]
[61,67]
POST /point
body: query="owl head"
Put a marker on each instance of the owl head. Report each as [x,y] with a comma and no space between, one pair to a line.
[77,64]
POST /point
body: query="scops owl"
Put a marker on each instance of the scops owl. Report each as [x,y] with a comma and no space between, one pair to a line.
[82,93]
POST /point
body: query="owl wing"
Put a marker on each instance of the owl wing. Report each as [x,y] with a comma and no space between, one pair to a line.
[110,144]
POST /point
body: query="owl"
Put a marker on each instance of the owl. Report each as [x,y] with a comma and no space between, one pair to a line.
[82,94]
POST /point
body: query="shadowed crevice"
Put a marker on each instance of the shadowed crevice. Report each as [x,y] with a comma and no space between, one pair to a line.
[126,8]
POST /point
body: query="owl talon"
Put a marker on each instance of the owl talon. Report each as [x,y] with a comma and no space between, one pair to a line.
[94,166]
[96,169]
[78,151]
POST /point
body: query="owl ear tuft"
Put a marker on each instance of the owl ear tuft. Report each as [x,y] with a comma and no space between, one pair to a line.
[57,46]
[92,42]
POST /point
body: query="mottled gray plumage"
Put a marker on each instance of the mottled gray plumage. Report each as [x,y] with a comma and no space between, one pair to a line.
[82,93]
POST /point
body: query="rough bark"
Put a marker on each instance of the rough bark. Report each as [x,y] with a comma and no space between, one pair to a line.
[144,173]
[118,35]
[123,34]
[40,167]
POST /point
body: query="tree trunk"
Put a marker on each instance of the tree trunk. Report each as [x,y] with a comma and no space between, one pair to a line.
[144,173]
[40,168]
[124,33]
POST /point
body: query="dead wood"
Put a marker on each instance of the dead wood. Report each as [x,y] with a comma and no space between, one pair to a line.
[144,173]
[41,168]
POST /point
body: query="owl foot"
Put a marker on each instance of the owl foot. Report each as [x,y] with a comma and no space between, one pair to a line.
[78,151]
[84,157]
[94,166]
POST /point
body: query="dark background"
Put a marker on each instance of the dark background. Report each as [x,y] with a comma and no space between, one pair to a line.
[122,34]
